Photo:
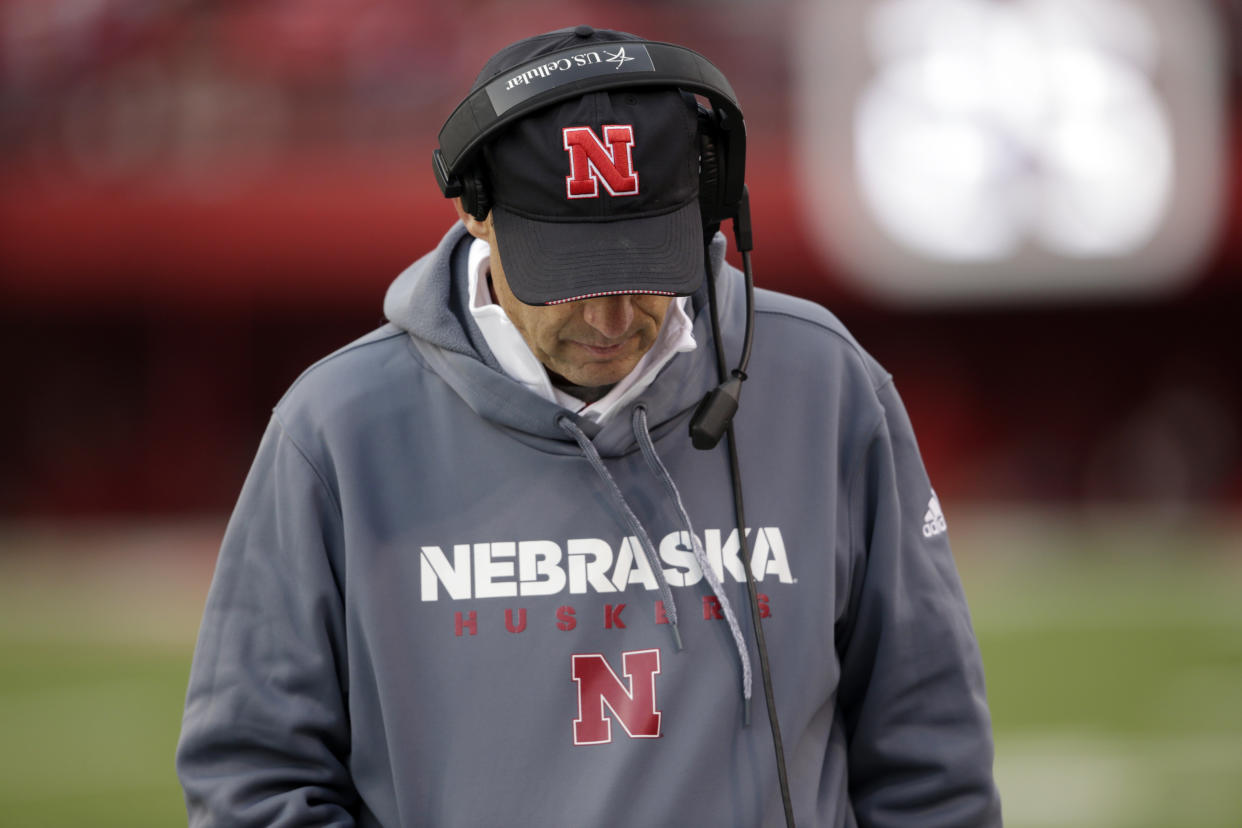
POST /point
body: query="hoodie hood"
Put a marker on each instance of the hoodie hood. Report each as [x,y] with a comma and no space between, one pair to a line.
[430,303]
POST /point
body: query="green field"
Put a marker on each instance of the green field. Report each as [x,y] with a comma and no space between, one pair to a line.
[1113,655]
[1114,662]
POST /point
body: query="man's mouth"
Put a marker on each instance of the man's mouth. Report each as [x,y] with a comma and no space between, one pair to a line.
[606,350]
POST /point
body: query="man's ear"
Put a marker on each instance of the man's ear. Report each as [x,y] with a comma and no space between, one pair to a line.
[478,229]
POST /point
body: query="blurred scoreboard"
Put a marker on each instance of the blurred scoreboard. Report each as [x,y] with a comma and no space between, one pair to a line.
[959,151]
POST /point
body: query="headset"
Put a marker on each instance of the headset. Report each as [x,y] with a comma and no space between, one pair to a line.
[495,104]
[490,108]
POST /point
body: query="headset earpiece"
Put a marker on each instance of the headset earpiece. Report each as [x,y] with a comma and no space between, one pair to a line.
[475,196]
[711,183]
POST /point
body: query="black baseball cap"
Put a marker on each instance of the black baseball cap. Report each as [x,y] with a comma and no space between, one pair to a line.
[596,195]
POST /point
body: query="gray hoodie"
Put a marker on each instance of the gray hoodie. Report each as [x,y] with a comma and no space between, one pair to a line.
[443,600]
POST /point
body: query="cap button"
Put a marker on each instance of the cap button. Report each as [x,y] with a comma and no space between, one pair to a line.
[584,31]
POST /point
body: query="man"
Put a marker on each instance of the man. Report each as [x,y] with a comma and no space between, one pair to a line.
[479,575]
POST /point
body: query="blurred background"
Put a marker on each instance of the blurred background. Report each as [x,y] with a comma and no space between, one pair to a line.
[1029,210]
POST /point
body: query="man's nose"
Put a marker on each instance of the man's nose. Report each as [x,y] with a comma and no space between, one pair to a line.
[612,316]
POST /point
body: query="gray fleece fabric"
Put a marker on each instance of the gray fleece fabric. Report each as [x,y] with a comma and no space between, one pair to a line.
[426,610]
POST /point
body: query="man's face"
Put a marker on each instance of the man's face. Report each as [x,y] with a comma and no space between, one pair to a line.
[590,342]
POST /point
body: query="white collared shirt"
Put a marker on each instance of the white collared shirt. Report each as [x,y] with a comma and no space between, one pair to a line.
[519,362]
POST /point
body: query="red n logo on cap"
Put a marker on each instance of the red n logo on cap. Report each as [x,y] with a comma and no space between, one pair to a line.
[599,687]
[591,162]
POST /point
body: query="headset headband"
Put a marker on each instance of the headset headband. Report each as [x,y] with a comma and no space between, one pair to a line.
[591,67]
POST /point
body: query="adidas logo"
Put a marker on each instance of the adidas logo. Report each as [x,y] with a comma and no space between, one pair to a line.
[933,521]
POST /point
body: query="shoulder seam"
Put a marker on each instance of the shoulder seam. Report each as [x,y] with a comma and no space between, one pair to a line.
[323,481]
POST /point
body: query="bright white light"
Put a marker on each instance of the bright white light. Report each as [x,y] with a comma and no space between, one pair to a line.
[931,175]
[952,135]
[1109,158]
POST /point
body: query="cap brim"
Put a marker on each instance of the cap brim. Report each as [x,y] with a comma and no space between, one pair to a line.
[551,262]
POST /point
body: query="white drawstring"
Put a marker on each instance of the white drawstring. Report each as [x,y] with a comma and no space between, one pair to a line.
[657,467]
[628,517]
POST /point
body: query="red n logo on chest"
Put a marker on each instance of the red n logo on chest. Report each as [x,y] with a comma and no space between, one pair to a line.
[633,706]
[592,161]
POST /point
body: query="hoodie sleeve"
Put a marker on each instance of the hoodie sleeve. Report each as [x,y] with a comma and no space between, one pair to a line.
[265,735]
[912,690]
